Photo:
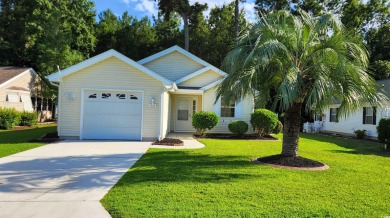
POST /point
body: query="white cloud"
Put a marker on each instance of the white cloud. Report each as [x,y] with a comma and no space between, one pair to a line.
[147,6]
[250,12]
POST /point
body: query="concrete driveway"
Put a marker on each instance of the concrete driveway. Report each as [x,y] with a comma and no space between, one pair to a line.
[65,179]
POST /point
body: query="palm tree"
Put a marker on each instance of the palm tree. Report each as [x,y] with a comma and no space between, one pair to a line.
[309,62]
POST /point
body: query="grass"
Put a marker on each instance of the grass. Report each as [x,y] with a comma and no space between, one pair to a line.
[12,142]
[220,181]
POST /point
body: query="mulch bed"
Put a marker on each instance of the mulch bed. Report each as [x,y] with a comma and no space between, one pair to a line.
[169,141]
[232,136]
[291,162]
[48,138]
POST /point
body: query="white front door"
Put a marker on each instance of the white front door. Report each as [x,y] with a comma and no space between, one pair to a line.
[184,109]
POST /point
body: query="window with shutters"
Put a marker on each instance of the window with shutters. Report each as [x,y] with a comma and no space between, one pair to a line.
[369,115]
[333,115]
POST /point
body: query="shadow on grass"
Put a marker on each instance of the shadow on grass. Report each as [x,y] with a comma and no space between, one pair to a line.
[354,146]
[20,136]
[182,166]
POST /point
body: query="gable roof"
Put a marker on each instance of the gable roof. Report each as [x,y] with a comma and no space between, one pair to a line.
[10,73]
[183,52]
[197,73]
[55,77]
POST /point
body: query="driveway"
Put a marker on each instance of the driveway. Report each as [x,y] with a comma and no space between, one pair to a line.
[65,179]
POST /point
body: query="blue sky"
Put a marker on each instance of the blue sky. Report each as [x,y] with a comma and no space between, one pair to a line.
[140,8]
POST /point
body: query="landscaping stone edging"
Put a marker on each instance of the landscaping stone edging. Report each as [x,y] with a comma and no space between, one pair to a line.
[325,167]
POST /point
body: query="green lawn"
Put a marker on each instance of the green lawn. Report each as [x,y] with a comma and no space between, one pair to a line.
[220,181]
[12,142]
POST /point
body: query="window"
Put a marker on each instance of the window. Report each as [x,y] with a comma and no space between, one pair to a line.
[92,96]
[227,109]
[121,96]
[193,106]
[333,115]
[369,115]
[106,95]
[133,97]
[13,98]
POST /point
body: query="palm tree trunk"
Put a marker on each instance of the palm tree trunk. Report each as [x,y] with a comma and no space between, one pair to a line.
[236,9]
[292,125]
[186,33]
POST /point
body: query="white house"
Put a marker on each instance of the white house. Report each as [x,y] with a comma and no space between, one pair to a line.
[366,118]
[110,96]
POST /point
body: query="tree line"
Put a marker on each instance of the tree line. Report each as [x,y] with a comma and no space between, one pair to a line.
[45,33]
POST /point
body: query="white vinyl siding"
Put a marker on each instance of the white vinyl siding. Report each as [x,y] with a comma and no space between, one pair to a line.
[174,66]
[111,73]
[201,80]
[347,125]
[246,108]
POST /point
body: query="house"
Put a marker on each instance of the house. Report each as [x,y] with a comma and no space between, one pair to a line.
[17,86]
[367,118]
[110,96]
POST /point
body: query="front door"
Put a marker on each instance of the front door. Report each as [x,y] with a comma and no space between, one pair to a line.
[183,114]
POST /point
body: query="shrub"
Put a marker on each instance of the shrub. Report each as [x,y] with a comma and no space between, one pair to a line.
[28,118]
[360,134]
[238,127]
[204,120]
[263,121]
[9,118]
[383,130]
[278,128]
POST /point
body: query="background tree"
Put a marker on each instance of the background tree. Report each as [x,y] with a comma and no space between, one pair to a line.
[221,25]
[378,41]
[306,66]
[183,8]
[168,31]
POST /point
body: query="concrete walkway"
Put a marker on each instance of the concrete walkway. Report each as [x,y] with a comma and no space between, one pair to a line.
[188,140]
[65,179]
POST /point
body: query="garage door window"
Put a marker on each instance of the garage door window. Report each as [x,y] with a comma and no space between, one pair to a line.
[133,97]
[121,96]
[92,96]
[106,95]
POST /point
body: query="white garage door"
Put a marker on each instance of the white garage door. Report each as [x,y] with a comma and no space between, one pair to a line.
[112,115]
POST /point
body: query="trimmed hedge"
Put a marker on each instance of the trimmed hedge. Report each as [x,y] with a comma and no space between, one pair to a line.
[278,128]
[9,118]
[263,121]
[238,127]
[204,120]
[383,130]
[28,118]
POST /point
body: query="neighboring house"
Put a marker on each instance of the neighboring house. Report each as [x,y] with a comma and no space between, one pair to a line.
[110,96]
[366,118]
[17,86]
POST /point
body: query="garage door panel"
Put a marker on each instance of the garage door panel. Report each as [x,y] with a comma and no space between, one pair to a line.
[118,116]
